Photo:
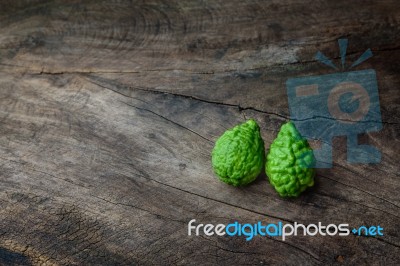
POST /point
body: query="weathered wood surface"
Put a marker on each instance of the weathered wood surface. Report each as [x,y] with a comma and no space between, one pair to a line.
[109,111]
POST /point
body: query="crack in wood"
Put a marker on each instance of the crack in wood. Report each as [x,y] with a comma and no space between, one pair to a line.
[169,120]
[238,106]
[360,190]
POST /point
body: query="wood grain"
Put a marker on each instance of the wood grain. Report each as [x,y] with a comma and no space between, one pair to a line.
[109,111]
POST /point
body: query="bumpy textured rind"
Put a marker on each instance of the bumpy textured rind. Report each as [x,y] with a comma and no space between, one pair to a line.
[238,155]
[290,162]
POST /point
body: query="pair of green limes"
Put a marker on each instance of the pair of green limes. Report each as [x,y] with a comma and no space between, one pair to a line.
[238,158]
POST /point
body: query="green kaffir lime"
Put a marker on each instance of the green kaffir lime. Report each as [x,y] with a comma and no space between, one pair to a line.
[238,155]
[290,162]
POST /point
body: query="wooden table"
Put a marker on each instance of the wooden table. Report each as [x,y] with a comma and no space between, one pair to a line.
[109,111]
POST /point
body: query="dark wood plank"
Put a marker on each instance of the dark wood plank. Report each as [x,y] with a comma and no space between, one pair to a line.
[109,112]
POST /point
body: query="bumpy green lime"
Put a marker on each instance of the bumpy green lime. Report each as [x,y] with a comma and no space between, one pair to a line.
[238,155]
[290,162]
